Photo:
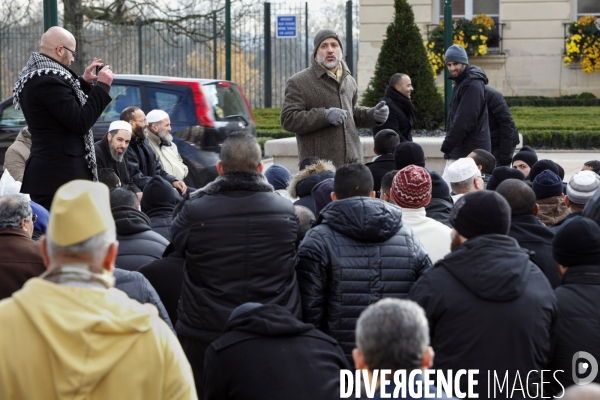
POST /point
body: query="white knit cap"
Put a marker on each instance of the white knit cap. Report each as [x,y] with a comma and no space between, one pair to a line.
[582,186]
[156,115]
[462,169]
[120,125]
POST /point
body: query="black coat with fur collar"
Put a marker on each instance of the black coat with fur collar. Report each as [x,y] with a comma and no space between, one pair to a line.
[239,239]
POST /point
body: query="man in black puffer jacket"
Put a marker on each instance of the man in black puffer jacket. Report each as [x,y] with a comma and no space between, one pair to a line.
[138,244]
[358,251]
[576,248]
[467,127]
[503,131]
[489,307]
[239,240]
[158,203]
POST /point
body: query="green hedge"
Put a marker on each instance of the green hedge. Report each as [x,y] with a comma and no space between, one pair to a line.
[562,140]
[578,100]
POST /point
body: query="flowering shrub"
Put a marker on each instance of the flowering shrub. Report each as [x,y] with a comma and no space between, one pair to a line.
[583,44]
[470,34]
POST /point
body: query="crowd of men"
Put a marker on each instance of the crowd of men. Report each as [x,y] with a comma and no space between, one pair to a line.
[265,284]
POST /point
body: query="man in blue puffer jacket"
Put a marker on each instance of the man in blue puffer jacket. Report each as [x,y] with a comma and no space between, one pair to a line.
[358,252]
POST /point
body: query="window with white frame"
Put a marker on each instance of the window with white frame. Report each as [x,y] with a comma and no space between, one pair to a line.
[469,8]
[587,7]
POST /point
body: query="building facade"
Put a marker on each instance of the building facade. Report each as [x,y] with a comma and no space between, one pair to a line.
[529,53]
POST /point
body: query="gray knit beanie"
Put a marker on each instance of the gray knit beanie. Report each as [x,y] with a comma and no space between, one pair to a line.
[456,53]
[582,186]
[325,34]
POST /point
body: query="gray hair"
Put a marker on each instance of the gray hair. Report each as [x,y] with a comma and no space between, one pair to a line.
[392,334]
[95,247]
[13,208]
[467,184]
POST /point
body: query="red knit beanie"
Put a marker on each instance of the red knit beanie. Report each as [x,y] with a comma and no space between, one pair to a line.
[411,187]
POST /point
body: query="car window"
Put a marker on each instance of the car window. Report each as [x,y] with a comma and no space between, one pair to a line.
[226,101]
[179,104]
[123,96]
[11,117]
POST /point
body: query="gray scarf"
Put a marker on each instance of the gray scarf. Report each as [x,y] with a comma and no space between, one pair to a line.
[39,64]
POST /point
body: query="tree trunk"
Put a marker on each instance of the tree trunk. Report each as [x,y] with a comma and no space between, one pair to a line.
[74,24]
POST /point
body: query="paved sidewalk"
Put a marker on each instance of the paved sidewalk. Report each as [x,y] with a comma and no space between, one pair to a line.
[571,161]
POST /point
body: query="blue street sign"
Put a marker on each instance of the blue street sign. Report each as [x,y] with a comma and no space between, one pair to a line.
[287,26]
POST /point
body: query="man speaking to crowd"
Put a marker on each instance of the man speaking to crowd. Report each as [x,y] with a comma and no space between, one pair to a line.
[60,109]
[320,106]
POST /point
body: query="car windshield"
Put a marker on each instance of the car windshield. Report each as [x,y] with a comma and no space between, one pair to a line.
[226,100]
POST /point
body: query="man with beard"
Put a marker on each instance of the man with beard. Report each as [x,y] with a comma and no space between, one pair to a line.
[161,141]
[320,106]
[490,308]
[60,109]
[402,111]
[142,162]
[467,127]
[110,151]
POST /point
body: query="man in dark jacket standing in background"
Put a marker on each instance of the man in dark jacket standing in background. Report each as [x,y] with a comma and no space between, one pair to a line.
[402,112]
[60,109]
[503,132]
[358,250]
[467,127]
[239,240]
[283,358]
[489,307]
[576,248]
[527,229]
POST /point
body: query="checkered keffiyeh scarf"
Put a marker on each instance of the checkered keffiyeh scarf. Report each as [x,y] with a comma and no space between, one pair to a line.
[39,64]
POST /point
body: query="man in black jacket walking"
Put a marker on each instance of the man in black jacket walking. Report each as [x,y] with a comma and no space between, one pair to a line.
[358,250]
[576,248]
[467,127]
[283,358]
[503,132]
[527,229]
[239,240]
[60,109]
[402,112]
[489,307]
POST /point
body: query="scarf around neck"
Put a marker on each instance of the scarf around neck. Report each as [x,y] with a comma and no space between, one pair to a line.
[82,273]
[39,64]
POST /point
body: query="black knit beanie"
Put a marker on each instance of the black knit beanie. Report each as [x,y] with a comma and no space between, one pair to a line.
[409,153]
[547,184]
[482,212]
[577,242]
[541,166]
[527,155]
[501,174]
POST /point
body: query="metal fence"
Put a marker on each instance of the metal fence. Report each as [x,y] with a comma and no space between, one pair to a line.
[153,50]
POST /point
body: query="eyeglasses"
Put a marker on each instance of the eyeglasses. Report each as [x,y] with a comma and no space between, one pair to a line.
[72,52]
[34,218]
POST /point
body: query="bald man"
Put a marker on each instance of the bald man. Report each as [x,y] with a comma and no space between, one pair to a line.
[60,109]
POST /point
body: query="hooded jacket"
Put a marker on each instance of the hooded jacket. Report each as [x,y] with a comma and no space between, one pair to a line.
[489,308]
[402,114]
[552,210]
[65,342]
[283,358]
[138,244]
[17,154]
[441,202]
[104,159]
[503,132]
[357,253]
[239,241]
[534,236]
[158,203]
[578,320]
[302,183]
[467,127]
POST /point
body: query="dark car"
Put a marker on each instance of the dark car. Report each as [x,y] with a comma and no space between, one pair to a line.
[203,113]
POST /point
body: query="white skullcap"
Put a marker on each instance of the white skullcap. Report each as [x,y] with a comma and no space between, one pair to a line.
[462,169]
[120,125]
[156,115]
